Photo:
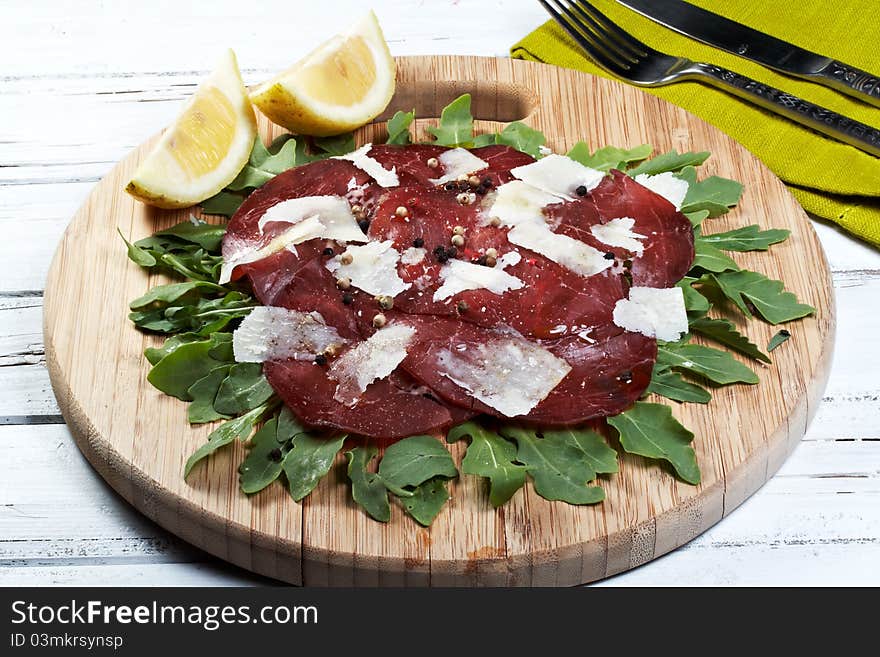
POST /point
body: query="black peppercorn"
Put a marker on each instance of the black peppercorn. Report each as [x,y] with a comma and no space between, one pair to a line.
[450,186]
[275,455]
[364,224]
[486,182]
[347,298]
[609,256]
[581,191]
[418,242]
[320,359]
[328,251]
[625,377]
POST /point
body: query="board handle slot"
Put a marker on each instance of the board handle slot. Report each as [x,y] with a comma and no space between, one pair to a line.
[490,100]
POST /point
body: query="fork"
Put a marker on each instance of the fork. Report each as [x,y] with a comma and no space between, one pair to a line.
[623,55]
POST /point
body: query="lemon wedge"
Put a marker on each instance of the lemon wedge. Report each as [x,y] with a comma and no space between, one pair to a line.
[205,148]
[343,84]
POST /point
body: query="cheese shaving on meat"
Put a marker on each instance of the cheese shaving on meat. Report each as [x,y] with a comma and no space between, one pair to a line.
[656,312]
[272,333]
[516,202]
[509,373]
[373,268]
[241,252]
[459,276]
[667,185]
[618,232]
[372,359]
[334,213]
[559,175]
[371,166]
[566,251]
[458,162]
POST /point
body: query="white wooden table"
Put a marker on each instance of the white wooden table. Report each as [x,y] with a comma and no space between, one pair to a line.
[81,88]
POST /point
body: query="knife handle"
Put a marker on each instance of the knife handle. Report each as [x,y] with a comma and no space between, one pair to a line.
[813,116]
[849,80]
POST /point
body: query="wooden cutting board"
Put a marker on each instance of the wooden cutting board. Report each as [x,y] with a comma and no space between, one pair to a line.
[138,439]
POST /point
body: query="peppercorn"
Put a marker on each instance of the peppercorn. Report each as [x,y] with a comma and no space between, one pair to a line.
[581,191]
[457,240]
[343,283]
[450,186]
[364,224]
[486,182]
[625,377]
[418,242]
[385,302]
[609,256]
[320,359]
[474,181]
[347,298]
[433,162]
[458,230]
[401,211]
[276,455]
[328,251]
[379,321]
[440,254]
[462,307]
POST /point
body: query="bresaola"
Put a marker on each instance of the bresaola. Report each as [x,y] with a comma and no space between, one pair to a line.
[501,324]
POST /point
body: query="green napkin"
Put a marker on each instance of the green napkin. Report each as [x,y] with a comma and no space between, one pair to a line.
[830,179]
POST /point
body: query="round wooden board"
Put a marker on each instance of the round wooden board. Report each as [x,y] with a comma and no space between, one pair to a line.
[138,439]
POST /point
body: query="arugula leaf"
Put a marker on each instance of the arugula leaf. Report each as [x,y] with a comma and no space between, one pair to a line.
[695,303]
[713,194]
[262,465]
[398,128]
[336,145]
[136,254]
[288,424]
[650,430]
[557,466]
[709,258]
[168,294]
[155,354]
[523,138]
[208,236]
[188,363]
[245,388]
[765,294]
[308,461]
[456,126]
[367,488]
[414,460]
[671,161]
[716,365]
[240,427]
[490,455]
[672,385]
[778,339]
[265,163]
[592,446]
[723,331]
[223,203]
[427,500]
[486,139]
[747,238]
[609,157]
[203,392]
[696,218]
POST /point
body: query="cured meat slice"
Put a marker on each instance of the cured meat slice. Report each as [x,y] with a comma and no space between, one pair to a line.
[606,376]
[393,407]
[327,177]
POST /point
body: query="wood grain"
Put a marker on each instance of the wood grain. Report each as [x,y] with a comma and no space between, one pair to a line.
[138,439]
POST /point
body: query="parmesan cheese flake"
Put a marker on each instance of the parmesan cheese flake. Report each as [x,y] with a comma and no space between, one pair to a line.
[373,268]
[361,159]
[667,185]
[272,333]
[459,276]
[558,175]
[458,162]
[618,232]
[566,251]
[370,360]
[508,373]
[656,312]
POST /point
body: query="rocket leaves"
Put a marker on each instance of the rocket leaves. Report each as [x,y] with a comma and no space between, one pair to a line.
[671,161]
[713,364]
[650,430]
[414,469]
[265,163]
[767,296]
[723,331]
[669,384]
[308,460]
[747,238]
[492,456]
[456,126]
[398,128]
[609,157]
[191,250]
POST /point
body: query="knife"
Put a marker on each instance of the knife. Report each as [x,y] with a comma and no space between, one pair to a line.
[751,44]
